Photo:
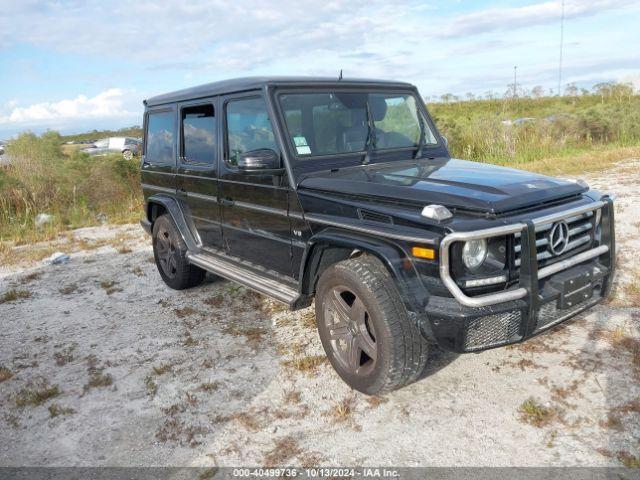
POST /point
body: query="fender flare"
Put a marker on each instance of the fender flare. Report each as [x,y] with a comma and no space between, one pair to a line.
[392,256]
[173,208]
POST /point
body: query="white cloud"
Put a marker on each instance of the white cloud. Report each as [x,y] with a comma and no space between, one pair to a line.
[211,34]
[107,104]
[501,19]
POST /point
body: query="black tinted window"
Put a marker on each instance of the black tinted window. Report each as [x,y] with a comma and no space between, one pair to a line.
[199,134]
[160,138]
[248,128]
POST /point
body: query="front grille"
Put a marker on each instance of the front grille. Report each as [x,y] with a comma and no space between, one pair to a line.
[580,238]
[493,330]
[550,315]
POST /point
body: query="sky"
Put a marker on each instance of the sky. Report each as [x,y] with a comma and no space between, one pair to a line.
[79,65]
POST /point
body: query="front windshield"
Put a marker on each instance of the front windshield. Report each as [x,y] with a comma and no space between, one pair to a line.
[332,122]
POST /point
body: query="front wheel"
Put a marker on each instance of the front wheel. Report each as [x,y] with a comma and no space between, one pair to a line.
[365,329]
[127,154]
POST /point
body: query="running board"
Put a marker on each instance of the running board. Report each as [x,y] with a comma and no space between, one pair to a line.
[254,281]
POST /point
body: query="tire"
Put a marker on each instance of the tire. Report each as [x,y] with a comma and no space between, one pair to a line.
[127,154]
[169,251]
[365,329]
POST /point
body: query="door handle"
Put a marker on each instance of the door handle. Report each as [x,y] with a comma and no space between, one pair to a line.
[226,201]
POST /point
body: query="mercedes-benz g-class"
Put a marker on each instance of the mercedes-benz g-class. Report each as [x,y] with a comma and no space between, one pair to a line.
[344,191]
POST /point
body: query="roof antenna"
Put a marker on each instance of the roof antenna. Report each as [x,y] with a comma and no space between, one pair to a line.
[340,77]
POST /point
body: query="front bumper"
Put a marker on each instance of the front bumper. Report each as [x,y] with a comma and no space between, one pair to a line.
[542,299]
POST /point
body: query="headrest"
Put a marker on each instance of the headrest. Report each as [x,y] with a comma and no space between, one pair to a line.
[378,108]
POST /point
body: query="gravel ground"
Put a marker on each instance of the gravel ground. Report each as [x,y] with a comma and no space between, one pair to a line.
[104,365]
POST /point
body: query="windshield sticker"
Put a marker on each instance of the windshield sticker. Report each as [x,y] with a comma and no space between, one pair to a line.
[301,145]
[300,141]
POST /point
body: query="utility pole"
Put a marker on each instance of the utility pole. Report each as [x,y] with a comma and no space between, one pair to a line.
[561,45]
[515,81]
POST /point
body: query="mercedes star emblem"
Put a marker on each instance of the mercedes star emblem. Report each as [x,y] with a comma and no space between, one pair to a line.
[559,238]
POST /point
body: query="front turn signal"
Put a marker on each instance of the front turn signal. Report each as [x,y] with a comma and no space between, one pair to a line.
[422,252]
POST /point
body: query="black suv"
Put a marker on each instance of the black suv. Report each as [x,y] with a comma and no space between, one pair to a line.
[344,190]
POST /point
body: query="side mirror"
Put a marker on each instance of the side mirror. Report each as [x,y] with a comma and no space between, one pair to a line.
[446,142]
[261,161]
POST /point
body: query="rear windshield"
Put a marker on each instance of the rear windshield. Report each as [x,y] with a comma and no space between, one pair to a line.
[332,123]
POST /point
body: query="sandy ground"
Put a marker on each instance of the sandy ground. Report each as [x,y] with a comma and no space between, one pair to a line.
[108,366]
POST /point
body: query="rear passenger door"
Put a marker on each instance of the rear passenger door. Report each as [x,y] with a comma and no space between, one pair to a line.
[198,168]
[159,152]
[254,207]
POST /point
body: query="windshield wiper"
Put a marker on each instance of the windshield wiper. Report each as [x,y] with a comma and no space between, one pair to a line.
[371,136]
[418,153]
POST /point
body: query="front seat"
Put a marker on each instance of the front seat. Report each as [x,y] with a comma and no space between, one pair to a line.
[353,138]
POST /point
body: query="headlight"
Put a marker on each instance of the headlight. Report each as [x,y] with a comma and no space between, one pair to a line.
[474,253]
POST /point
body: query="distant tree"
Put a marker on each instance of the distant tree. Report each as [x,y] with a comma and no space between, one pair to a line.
[584,92]
[515,91]
[537,91]
[510,92]
[603,89]
[622,91]
[448,97]
[470,96]
[571,90]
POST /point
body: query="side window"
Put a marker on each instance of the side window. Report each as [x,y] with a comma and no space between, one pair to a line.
[160,138]
[248,128]
[198,134]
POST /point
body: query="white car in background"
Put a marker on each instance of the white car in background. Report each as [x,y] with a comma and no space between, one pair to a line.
[127,146]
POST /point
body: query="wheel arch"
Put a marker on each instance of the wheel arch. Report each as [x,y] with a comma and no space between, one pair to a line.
[157,205]
[333,245]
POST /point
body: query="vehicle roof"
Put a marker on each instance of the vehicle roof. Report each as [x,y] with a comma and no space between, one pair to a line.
[251,83]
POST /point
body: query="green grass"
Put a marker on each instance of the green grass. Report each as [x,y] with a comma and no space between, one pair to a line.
[13,295]
[37,395]
[564,127]
[99,379]
[535,414]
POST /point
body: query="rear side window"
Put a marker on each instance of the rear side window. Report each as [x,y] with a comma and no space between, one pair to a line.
[198,134]
[160,138]
[248,128]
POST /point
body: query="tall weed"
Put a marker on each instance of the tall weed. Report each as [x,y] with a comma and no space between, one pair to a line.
[76,189]
[558,126]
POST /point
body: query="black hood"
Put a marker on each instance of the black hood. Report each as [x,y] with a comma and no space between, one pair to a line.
[457,184]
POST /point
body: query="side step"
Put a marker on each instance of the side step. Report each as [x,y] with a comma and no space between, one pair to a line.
[259,283]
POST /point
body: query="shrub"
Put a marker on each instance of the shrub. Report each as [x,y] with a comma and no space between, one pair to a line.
[74,188]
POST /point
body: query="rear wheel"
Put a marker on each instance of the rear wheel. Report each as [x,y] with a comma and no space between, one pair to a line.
[127,154]
[169,251]
[365,328]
